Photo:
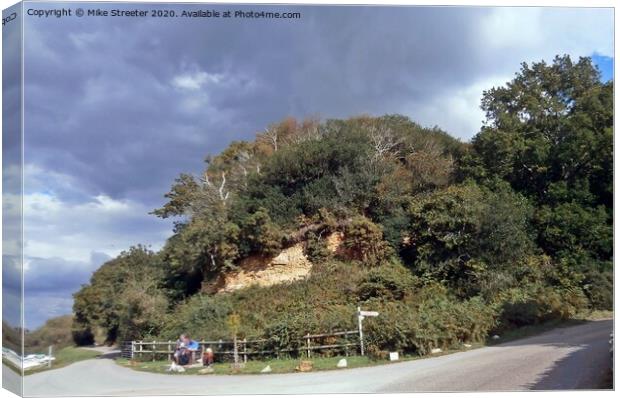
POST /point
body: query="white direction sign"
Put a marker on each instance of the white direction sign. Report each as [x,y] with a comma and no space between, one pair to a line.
[360,317]
[369,313]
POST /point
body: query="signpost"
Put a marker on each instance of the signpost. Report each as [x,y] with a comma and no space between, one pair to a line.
[49,356]
[360,317]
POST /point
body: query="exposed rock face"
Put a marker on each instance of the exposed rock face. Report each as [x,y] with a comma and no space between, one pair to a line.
[334,241]
[291,264]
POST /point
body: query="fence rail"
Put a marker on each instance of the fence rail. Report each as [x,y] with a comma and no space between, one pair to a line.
[307,345]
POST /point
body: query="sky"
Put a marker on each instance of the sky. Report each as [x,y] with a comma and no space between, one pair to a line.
[116,108]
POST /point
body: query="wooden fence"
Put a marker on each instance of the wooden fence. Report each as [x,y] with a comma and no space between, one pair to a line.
[346,342]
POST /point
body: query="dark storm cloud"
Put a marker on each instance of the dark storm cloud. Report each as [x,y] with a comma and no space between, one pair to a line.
[51,283]
[101,105]
[67,276]
[118,107]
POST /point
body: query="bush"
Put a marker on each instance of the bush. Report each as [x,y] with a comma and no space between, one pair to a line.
[387,282]
[286,332]
[535,304]
[316,248]
[364,242]
[262,234]
[391,330]
[143,310]
[433,319]
[599,289]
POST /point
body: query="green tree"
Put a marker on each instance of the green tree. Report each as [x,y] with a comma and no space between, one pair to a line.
[551,123]
[261,234]
[549,133]
[100,304]
[458,234]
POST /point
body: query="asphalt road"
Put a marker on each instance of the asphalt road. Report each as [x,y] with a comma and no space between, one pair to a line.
[576,357]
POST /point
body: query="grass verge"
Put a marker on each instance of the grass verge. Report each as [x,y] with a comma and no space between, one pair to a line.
[66,356]
[255,367]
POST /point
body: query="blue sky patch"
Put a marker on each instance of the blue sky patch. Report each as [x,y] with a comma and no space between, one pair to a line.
[605,65]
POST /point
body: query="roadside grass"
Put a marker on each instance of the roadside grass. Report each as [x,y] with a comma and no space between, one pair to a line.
[254,366]
[595,315]
[285,365]
[329,363]
[65,356]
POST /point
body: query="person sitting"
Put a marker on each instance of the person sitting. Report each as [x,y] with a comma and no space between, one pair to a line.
[181,353]
[185,350]
[208,357]
[192,347]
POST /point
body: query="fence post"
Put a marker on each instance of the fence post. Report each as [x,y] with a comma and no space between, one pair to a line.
[245,350]
[154,350]
[49,354]
[169,350]
[308,344]
[132,348]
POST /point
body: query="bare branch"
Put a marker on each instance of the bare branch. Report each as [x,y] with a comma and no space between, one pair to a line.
[223,196]
[206,180]
[383,140]
[271,134]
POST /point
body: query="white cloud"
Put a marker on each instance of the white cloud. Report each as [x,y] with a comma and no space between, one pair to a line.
[499,28]
[195,80]
[457,112]
[528,33]
[200,91]
[70,229]
[509,36]
[69,233]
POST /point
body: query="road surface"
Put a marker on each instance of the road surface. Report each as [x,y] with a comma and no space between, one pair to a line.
[576,357]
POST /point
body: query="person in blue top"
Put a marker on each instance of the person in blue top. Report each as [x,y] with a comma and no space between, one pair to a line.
[185,349]
[192,345]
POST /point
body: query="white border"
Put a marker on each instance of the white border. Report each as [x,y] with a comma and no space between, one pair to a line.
[490,3]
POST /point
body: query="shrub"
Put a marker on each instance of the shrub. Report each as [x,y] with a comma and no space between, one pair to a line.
[263,235]
[56,331]
[599,288]
[391,330]
[433,319]
[316,248]
[364,242]
[286,332]
[388,282]
[143,310]
[536,303]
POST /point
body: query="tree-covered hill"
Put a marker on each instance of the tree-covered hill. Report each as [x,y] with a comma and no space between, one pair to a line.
[449,240]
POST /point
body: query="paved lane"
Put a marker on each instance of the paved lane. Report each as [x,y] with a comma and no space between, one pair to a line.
[564,358]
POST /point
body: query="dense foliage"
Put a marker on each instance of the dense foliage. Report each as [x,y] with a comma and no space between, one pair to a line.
[448,240]
[56,332]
